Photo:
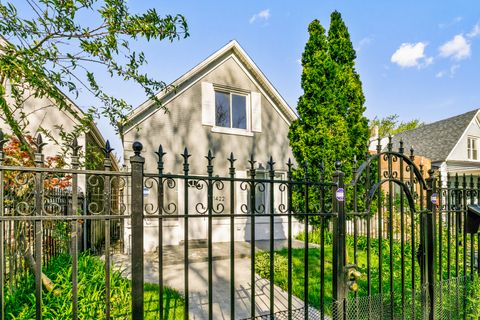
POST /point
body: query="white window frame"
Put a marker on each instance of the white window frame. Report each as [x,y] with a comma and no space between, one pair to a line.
[472,148]
[253,109]
[248,112]
[230,95]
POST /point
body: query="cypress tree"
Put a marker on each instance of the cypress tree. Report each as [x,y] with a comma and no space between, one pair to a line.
[331,125]
[349,87]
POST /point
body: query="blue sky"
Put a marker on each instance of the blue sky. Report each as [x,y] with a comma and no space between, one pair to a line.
[418,59]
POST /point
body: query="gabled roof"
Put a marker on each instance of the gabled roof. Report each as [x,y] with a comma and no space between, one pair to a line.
[436,140]
[185,81]
[77,113]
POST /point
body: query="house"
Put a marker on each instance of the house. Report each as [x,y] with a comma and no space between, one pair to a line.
[451,144]
[42,115]
[224,104]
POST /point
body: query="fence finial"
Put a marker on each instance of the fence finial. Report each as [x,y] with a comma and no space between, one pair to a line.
[338,165]
[137,147]
[39,144]
[75,147]
[109,149]
[412,157]
[252,162]
[379,145]
[231,159]
[389,144]
[160,153]
[210,157]
[185,156]
[271,163]
[401,149]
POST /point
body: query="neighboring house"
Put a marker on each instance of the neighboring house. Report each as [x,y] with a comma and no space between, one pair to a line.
[44,117]
[451,144]
[224,104]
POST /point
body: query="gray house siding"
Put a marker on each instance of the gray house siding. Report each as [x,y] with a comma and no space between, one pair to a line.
[181,126]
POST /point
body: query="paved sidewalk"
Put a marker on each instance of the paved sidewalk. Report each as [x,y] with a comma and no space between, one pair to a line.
[198,282]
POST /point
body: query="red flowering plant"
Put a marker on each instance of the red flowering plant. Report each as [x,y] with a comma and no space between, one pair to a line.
[18,185]
[19,191]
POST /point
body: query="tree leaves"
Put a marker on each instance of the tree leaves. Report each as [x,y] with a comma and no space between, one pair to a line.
[55,50]
[331,125]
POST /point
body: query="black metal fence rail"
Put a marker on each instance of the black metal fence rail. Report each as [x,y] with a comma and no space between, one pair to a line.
[261,202]
[388,245]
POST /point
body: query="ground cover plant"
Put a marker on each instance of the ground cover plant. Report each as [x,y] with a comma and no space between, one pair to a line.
[20,301]
[452,291]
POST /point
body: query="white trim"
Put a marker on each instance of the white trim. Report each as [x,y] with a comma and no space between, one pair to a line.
[234,131]
[236,51]
[461,137]
[475,140]
[263,91]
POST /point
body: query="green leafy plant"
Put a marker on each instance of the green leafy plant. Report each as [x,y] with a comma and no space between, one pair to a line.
[19,301]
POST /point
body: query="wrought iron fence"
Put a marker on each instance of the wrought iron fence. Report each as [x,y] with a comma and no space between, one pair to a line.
[403,233]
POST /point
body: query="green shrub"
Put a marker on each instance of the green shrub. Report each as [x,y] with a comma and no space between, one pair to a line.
[20,301]
[473,298]
[280,267]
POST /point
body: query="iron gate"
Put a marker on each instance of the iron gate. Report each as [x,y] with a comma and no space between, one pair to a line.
[389,244]
[410,255]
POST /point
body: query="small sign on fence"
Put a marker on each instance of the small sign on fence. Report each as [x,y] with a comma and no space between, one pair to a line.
[340,194]
[433,198]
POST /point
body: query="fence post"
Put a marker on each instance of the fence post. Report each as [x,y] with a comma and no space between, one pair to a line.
[432,199]
[338,208]
[2,236]
[38,226]
[136,205]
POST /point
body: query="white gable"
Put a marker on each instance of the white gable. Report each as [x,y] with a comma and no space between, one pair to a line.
[460,151]
[231,50]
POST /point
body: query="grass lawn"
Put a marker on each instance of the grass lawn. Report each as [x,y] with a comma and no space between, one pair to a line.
[298,263]
[20,302]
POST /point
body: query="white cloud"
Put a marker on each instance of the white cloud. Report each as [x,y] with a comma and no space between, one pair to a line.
[451,72]
[475,31]
[411,55]
[262,15]
[363,43]
[458,48]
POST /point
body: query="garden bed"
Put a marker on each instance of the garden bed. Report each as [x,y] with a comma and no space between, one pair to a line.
[20,301]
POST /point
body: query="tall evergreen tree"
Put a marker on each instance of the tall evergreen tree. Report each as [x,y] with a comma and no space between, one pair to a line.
[331,125]
[348,85]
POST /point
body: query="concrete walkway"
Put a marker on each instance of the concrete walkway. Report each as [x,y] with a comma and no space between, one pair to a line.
[198,281]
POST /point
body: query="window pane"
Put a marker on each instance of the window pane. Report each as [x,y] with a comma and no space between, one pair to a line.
[239,112]
[222,109]
[474,149]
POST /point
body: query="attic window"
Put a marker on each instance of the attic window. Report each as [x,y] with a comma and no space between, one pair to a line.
[230,110]
[472,148]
